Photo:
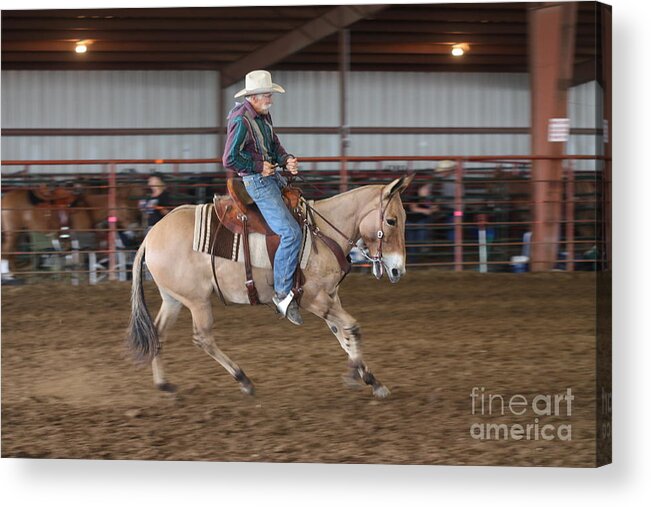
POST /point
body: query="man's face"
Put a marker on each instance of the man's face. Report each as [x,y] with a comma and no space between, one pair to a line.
[262,102]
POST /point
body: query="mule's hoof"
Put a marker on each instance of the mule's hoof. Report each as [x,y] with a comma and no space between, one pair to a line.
[246,386]
[248,389]
[351,381]
[381,392]
[166,387]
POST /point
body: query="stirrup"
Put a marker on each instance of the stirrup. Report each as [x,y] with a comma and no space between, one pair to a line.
[283,305]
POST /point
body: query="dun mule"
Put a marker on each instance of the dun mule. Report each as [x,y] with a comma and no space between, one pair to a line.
[372,213]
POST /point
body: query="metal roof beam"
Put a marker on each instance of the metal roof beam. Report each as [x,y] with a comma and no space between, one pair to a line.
[133,46]
[295,11]
[430,59]
[79,26]
[301,37]
[396,67]
[108,56]
[139,35]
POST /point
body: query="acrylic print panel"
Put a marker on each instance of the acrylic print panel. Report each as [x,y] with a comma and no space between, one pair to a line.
[474,326]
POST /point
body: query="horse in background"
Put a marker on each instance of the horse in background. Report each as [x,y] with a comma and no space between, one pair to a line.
[79,214]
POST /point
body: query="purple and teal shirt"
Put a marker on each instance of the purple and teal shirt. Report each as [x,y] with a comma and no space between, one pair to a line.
[242,153]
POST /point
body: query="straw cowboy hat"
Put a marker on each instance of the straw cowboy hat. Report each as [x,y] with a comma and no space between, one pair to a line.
[444,166]
[259,81]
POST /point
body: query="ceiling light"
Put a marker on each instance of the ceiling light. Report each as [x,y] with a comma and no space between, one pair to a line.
[82,46]
[459,49]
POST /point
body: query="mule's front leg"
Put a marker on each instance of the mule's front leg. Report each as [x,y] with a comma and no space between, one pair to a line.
[345,328]
[353,336]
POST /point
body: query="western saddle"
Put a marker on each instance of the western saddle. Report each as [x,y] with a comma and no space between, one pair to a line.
[240,211]
[52,198]
[56,201]
[239,214]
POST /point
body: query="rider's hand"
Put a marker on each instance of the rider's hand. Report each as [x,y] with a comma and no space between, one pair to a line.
[292,165]
[268,168]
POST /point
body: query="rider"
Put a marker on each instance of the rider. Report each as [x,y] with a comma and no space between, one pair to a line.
[254,152]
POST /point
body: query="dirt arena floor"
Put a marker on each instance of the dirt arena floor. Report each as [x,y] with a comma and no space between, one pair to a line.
[69,389]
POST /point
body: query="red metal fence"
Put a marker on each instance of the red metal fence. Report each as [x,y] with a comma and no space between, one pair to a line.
[484,206]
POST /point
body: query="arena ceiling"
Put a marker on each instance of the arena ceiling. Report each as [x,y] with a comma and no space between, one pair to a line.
[234,40]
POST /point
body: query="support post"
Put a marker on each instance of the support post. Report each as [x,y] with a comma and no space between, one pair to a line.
[344,130]
[551,58]
[569,216]
[458,217]
[112,222]
[482,241]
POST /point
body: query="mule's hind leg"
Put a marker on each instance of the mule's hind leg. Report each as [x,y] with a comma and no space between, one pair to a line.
[348,332]
[202,319]
[167,315]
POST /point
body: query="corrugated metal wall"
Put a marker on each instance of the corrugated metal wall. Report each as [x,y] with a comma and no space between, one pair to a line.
[168,99]
[108,99]
[584,113]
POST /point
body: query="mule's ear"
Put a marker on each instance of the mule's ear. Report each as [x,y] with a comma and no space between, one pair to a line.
[397,185]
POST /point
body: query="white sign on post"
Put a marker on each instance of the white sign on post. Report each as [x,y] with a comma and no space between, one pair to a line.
[559,130]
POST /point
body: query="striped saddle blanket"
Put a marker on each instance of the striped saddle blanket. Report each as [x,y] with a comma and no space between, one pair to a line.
[229,245]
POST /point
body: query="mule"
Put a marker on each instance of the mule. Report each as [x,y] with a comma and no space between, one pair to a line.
[184,277]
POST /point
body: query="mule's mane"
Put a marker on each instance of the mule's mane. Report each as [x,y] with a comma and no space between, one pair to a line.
[350,192]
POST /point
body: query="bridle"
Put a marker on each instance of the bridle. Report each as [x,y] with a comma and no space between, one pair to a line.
[376,260]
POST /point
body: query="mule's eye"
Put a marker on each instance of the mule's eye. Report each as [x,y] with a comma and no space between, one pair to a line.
[392,221]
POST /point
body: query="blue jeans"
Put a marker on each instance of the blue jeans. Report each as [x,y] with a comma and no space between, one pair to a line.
[266,193]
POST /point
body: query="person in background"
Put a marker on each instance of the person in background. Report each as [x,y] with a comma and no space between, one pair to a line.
[444,189]
[420,216]
[432,203]
[159,203]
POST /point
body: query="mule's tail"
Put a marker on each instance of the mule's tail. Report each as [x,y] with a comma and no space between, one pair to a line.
[142,337]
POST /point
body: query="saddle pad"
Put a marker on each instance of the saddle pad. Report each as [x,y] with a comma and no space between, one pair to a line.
[231,247]
[202,221]
[205,227]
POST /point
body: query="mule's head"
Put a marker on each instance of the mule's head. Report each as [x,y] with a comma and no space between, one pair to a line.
[383,230]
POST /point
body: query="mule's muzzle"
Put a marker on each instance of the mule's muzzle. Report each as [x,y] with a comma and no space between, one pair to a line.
[395,268]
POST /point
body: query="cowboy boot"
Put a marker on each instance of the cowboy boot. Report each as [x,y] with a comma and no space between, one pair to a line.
[288,308]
